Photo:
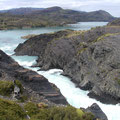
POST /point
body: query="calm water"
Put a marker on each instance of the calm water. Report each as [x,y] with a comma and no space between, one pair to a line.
[78,98]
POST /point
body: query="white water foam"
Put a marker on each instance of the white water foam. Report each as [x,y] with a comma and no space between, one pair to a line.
[8,49]
[25,61]
[75,97]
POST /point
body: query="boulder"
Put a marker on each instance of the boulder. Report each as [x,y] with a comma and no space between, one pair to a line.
[96,110]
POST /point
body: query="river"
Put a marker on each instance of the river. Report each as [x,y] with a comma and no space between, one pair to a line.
[9,39]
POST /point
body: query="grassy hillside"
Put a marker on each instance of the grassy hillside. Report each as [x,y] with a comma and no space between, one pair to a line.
[55,16]
[10,110]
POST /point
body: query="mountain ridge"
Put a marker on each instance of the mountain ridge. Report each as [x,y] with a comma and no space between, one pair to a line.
[53,16]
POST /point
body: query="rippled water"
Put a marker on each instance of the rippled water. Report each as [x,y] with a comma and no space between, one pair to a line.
[76,97]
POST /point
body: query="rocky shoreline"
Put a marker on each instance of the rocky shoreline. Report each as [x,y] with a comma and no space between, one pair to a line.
[90,58]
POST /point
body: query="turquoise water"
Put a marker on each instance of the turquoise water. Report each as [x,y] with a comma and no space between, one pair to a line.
[9,39]
[86,25]
[78,98]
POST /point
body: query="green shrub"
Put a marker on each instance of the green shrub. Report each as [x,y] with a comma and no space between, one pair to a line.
[80,113]
[23,98]
[88,116]
[62,113]
[43,114]
[31,109]
[10,111]
[6,88]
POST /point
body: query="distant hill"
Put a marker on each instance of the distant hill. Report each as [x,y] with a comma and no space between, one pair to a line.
[115,23]
[20,11]
[53,16]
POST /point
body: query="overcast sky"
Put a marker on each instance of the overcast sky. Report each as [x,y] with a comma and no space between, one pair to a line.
[112,6]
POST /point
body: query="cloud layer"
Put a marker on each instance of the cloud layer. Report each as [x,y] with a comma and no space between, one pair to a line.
[112,6]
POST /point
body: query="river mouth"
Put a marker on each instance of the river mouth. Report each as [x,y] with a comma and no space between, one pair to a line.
[75,97]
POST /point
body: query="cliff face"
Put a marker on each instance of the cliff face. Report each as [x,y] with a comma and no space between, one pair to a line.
[37,45]
[34,84]
[90,58]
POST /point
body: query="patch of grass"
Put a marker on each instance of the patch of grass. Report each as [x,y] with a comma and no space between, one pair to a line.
[74,33]
[58,113]
[31,108]
[81,51]
[6,88]
[105,35]
[11,111]
[23,98]
[80,112]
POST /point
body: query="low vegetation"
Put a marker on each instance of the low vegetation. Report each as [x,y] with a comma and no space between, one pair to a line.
[56,113]
[28,36]
[105,35]
[6,88]
[31,109]
[11,111]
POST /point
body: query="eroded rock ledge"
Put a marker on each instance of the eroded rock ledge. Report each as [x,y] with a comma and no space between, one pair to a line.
[90,58]
[37,87]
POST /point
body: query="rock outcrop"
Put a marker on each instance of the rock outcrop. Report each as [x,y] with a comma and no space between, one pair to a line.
[115,23]
[96,110]
[34,84]
[90,58]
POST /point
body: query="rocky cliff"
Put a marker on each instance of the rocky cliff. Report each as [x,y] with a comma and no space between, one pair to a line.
[90,58]
[36,86]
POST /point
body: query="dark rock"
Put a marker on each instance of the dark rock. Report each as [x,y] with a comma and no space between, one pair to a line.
[96,110]
[36,85]
[32,48]
[0,74]
[0,56]
[86,85]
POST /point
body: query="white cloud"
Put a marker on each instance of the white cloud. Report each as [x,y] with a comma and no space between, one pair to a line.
[112,6]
